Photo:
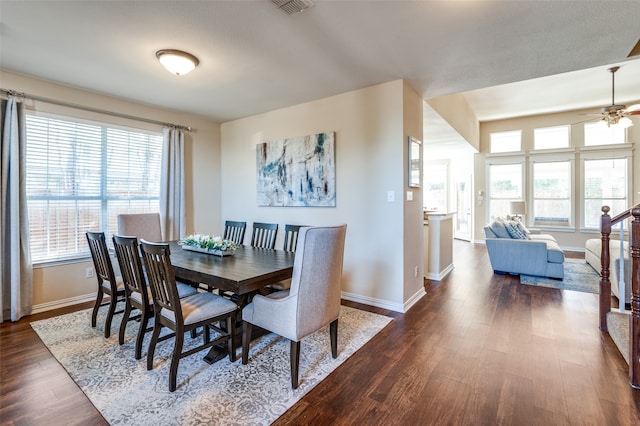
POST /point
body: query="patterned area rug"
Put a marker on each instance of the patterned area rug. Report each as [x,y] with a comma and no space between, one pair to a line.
[224,393]
[578,276]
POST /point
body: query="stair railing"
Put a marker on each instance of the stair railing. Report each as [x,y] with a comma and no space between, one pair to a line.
[606,222]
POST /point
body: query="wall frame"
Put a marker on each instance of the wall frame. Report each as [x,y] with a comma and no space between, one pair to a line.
[415,162]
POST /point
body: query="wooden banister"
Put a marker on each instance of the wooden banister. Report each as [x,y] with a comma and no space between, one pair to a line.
[634,327]
[606,222]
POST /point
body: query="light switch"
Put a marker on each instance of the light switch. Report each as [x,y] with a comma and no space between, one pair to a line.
[409,195]
[391,196]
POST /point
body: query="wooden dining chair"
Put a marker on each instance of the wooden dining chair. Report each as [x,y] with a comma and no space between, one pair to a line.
[108,283]
[142,225]
[312,302]
[291,233]
[181,315]
[234,231]
[264,235]
[138,293]
[291,237]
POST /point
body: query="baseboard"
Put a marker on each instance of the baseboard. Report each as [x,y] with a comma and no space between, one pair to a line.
[414,299]
[49,306]
[378,303]
[441,275]
[385,304]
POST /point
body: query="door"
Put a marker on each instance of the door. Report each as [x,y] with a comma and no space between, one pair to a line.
[462,227]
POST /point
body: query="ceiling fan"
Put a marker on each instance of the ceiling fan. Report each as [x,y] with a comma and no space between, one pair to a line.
[617,114]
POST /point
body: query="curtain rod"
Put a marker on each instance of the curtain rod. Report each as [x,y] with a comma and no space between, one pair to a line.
[96,110]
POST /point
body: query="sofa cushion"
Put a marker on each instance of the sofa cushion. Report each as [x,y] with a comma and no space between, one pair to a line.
[542,237]
[554,252]
[499,228]
[515,231]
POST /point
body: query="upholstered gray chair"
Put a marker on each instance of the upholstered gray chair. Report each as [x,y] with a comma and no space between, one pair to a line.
[312,302]
[145,226]
[205,310]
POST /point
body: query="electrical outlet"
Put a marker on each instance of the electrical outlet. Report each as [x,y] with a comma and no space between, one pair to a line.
[88,273]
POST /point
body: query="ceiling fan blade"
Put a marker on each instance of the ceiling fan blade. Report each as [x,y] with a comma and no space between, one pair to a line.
[634,109]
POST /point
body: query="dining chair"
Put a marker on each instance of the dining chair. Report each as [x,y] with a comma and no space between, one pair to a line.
[181,315]
[234,231]
[291,233]
[291,237]
[108,283]
[138,292]
[312,302]
[264,235]
[143,225]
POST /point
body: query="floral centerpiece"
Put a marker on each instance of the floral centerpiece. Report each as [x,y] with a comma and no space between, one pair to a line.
[208,244]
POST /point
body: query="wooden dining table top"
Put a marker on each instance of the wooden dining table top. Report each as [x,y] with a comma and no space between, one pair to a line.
[249,269]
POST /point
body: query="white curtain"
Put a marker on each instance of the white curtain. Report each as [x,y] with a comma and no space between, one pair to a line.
[172,187]
[16,273]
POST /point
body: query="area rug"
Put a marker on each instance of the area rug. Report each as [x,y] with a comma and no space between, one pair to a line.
[226,393]
[578,276]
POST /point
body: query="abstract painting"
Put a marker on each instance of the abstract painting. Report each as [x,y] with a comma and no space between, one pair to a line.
[297,171]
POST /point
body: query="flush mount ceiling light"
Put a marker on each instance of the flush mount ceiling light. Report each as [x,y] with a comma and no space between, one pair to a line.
[176,61]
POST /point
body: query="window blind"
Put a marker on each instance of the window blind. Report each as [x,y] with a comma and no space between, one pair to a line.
[80,176]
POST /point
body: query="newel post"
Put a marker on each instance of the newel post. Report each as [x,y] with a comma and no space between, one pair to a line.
[605,283]
[634,326]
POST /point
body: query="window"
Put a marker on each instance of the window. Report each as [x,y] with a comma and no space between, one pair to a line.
[80,176]
[551,137]
[436,188]
[506,141]
[599,134]
[605,183]
[552,189]
[505,185]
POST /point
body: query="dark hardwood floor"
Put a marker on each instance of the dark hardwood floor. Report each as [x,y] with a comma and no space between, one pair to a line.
[478,349]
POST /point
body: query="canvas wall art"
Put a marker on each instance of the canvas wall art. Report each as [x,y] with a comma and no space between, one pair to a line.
[297,171]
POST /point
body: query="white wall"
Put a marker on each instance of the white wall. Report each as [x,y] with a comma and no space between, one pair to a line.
[370,161]
[59,285]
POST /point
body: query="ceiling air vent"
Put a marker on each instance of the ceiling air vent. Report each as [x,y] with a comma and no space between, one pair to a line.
[292,6]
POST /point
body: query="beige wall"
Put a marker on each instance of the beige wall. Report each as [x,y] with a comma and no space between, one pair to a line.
[455,110]
[66,283]
[414,268]
[569,240]
[372,125]
[371,148]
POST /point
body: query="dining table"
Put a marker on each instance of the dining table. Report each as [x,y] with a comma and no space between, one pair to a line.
[240,276]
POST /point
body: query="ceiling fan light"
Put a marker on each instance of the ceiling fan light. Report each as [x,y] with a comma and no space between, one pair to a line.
[176,61]
[625,122]
[603,124]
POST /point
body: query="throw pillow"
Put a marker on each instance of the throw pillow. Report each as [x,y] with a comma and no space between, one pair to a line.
[515,232]
[499,228]
[524,229]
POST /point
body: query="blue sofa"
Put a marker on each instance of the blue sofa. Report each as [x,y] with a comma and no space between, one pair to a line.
[522,252]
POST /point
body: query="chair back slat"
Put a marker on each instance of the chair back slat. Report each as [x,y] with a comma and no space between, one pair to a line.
[128,255]
[264,235]
[101,259]
[291,237]
[234,231]
[161,278]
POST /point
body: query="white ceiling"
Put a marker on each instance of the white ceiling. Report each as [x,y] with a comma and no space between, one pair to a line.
[255,58]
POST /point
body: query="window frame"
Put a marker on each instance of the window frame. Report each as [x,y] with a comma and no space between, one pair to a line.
[556,157]
[503,160]
[82,251]
[605,152]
